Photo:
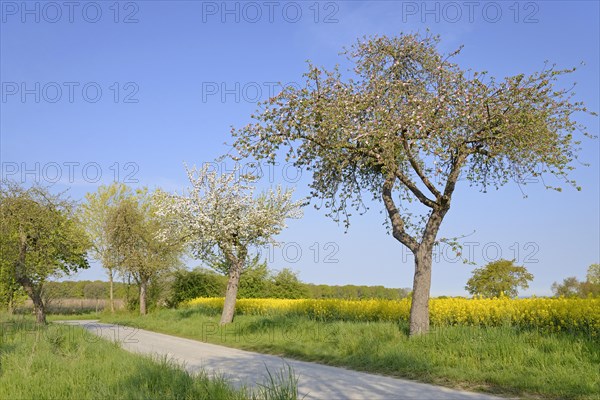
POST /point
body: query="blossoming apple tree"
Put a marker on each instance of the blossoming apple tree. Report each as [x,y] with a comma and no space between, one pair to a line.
[220,215]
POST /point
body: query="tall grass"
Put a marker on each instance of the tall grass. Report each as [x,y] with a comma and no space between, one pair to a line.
[67,362]
[503,359]
[282,385]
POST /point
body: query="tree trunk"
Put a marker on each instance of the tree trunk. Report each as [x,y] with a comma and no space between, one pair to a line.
[419,309]
[35,293]
[110,289]
[143,289]
[127,291]
[11,300]
[232,289]
[40,312]
[36,297]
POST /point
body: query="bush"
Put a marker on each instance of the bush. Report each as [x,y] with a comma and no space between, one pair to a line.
[255,282]
[286,285]
[198,282]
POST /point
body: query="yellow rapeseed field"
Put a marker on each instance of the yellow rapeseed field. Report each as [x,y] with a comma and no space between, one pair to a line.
[547,314]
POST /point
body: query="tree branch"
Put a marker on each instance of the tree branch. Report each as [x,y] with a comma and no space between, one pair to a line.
[398,229]
[418,169]
[415,190]
[457,161]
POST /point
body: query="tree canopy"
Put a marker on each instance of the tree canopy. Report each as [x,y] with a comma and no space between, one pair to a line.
[221,217]
[94,213]
[40,237]
[140,241]
[499,278]
[593,274]
[568,288]
[572,287]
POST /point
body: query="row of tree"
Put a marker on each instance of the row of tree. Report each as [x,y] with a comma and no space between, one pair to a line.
[127,233]
[404,126]
[355,292]
[139,235]
[182,284]
[498,278]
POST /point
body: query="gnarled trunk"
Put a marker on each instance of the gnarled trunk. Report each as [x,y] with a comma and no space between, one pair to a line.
[39,310]
[35,294]
[419,308]
[231,294]
[33,291]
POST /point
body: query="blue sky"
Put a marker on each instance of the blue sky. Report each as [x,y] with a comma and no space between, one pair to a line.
[99,92]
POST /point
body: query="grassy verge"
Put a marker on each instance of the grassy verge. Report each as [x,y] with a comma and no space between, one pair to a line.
[83,316]
[500,360]
[67,362]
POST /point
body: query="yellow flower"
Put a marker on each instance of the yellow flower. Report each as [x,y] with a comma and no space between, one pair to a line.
[581,315]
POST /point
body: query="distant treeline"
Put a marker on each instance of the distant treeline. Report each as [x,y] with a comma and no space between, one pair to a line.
[83,290]
[260,282]
[355,292]
[200,282]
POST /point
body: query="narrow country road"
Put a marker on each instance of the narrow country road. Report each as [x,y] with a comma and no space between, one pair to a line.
[243,367]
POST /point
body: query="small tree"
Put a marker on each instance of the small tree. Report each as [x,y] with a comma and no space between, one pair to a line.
[286,285]
[571,287]
[199,282]
[588,289]
[404,126]
[593,274]
[221,216]
[255,281]
[94,214]
[498,278]
[568,288]
[140,243]
[40,237]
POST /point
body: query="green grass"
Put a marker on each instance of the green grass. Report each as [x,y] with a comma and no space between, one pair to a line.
[499,360]
[83,316]
[67,362]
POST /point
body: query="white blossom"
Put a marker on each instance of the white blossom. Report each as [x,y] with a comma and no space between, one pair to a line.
[221,210]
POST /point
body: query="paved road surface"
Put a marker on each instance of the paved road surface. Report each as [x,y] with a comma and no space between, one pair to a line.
[243,367]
